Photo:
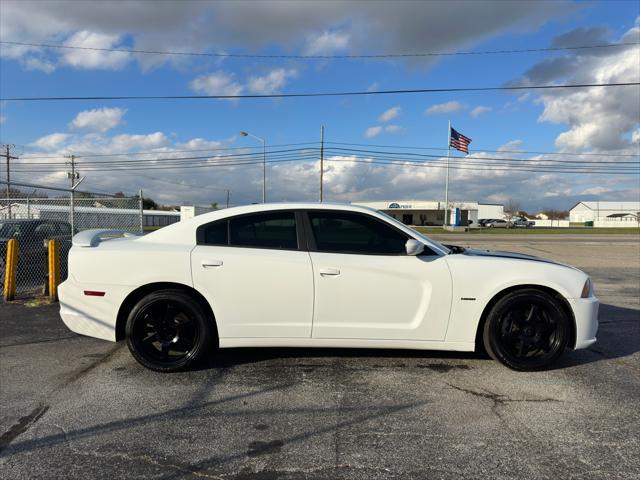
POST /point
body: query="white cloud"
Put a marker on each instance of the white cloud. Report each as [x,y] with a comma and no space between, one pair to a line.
[390,114]
[375,86]
[327,43]
[378,27]
[3,119]
[94,59]
[51,141]
[597,118]
[373,131]
[98,119]
[479,110]
[128,142]
[34,63]
[272,82]
[446,107]
[635,136]
[378,129]
[219,83]
[511,146]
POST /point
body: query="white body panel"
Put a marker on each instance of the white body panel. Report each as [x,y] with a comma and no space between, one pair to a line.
[256,292]
[263,297]
[380,297]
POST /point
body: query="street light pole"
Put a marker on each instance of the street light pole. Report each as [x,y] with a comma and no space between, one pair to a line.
[264,162]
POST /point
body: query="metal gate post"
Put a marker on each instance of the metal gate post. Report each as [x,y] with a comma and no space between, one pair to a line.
[11,267]
[141,205]
[54,269]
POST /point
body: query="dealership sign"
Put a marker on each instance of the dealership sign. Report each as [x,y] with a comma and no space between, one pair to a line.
[397,205]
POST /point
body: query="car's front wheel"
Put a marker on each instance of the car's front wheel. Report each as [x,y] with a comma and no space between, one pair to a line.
[526,330]
[168,331]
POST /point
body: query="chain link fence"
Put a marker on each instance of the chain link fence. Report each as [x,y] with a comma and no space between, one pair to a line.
[56,214]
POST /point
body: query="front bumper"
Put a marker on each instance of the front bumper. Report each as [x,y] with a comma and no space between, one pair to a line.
[585,311]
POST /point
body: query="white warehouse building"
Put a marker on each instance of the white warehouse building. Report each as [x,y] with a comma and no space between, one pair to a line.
[431,213]
[606,214]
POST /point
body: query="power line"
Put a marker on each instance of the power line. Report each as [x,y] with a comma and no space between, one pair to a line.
[319,94]
[473,157]
[273,147]
[479,149]
[584,169]
[322,57]
[157,152]
[476,167]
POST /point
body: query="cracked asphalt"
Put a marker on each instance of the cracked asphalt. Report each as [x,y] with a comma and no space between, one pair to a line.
[77,407]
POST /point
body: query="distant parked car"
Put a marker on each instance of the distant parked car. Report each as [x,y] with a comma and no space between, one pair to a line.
[522,222]
[496,223]
[32,235]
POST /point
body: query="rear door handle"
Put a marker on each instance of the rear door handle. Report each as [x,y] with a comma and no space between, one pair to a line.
[329,272]
[211,263]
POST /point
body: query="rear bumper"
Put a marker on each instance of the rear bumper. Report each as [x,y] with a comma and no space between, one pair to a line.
[90,315]
[585,311]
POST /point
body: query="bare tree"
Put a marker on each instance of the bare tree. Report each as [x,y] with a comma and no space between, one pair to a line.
[511,209]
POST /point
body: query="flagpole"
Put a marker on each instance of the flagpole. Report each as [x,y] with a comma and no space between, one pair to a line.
[446,183]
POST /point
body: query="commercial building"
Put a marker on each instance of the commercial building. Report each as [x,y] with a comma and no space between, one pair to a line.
[431,213]
[606,214]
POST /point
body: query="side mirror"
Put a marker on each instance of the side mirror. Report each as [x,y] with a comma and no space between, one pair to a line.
[414,247]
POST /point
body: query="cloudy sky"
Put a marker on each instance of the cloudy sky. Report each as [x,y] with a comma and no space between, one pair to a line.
[546,132]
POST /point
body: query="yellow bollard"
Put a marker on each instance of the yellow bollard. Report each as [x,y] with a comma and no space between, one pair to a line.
[54,269]
[11,267]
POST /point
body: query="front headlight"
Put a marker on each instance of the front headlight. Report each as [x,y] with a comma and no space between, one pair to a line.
[587,290]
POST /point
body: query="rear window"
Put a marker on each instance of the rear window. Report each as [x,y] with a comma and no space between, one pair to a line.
[216,234]
[264,230]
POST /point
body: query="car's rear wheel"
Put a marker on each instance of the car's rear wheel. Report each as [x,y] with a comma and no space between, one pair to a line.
[526,330]
[168,331]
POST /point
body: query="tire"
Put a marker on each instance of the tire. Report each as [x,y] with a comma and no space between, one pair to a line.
[168,331]
[526,330]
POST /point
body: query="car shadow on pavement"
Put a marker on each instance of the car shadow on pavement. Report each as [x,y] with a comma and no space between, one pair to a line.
[227,358]
[618,336]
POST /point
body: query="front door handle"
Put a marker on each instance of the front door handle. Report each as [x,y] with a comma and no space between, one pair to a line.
[211,263]
[329,272]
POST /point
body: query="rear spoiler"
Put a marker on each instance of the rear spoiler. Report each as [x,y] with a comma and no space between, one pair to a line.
[92,238]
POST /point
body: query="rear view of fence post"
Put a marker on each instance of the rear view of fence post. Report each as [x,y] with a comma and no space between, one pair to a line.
[11,268]
[72,205]
[141,207]
[54,269]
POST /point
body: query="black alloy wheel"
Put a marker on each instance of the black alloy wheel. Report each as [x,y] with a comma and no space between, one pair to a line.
[168,331]
[526,330]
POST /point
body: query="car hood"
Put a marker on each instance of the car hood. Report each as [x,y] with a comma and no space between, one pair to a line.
[513,255]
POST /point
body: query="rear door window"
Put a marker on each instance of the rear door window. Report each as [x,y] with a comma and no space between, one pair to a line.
[264,230]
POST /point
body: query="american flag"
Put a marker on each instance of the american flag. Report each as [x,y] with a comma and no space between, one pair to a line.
[459,141]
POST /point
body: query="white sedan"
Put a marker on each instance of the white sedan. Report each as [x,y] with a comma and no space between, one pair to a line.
[318,275]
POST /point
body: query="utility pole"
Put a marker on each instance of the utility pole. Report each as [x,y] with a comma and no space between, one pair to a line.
[7,155]
[228,196]
[321,159]
[73,175]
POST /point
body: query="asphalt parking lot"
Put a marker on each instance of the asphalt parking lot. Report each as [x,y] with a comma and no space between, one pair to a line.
[77,407]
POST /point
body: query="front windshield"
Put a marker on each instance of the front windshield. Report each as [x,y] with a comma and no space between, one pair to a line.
[428,240]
